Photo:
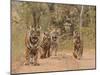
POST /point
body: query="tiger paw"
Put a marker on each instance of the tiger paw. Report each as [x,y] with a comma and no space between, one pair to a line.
[26,63]
[36,64]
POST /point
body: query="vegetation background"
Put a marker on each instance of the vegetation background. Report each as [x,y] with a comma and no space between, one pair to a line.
[63,17]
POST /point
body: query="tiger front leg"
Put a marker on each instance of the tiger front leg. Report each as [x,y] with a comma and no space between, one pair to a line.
[27,58]
[80,52]
[43,55]
[56,49]
[75,51]
[48,52]
[36,60]
[31,59]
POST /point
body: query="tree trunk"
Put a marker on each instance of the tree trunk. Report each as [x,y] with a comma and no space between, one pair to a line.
[81,21]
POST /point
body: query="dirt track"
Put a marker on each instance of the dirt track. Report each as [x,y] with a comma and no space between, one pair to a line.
[63,61]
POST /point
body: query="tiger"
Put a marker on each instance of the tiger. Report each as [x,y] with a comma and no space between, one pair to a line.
[78,45]
[45,45]
[31,50]
[54,43]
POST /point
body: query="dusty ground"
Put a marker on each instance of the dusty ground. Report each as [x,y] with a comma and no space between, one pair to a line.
[63,61]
